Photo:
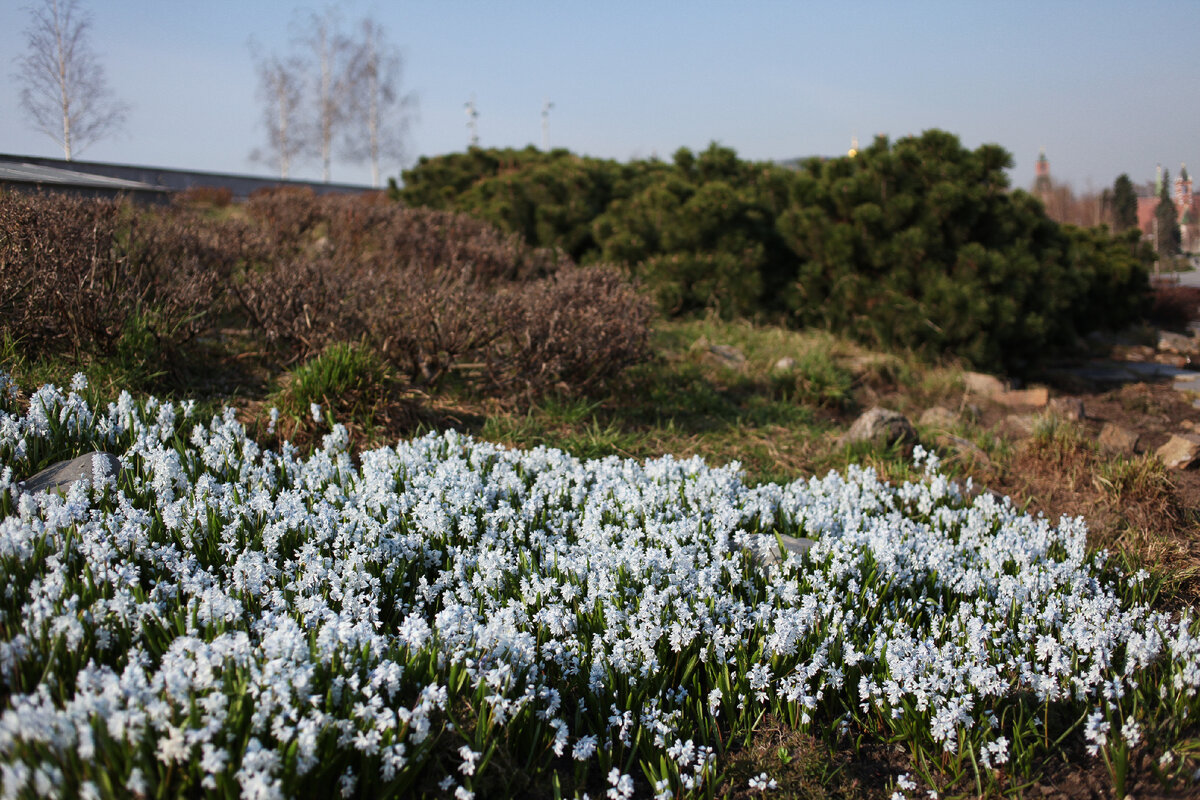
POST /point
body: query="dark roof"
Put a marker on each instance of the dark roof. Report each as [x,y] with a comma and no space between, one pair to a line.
[25,172]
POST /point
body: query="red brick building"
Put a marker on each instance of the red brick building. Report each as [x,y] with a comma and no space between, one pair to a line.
[1187,210]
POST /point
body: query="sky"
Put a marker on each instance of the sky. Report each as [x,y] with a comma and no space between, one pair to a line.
[1104,87]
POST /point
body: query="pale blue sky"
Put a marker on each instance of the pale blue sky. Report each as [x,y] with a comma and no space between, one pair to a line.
[1106,87]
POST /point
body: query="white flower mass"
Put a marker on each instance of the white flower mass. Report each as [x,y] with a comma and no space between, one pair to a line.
[377,625]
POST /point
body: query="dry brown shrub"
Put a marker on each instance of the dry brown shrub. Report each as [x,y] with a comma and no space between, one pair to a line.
[203,197]
[299,305]
[286,214]
[60,286]
[432,291]
[186,262]
[74,272]
[1175,306]
[571,331]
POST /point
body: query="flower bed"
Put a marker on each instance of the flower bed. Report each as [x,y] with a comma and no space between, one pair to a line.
[451,617]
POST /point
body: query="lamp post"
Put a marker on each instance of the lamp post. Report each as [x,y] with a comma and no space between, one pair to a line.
[546,106]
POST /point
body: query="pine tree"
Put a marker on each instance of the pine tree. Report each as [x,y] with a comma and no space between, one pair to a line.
[1166,216]
[1124,204]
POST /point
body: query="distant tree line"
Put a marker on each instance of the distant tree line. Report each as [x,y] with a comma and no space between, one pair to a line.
[915,244]
[333,90]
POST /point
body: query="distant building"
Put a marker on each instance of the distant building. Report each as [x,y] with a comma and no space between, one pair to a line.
[1187,210]
[1042,185]
[148,184]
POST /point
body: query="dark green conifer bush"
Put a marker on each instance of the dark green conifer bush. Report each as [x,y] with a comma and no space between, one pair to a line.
[918,245]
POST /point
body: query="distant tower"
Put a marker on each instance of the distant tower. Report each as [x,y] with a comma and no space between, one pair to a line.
[1183,188]
[853,147]
[1041,184]
[473,121]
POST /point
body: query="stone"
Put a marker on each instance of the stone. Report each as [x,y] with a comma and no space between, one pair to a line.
[1172,360]
[1180,451]
[1132,352]
[883,426]
[979,383]
[59,477]
[1021,426]
[938,417]
[1031,398]
[767,552]
[727,355]
[1118,439]
[1068,408]
[1169,342]
[785,364]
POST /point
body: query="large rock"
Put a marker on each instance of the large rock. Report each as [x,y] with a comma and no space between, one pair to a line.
[979,383]
[1177,343]
[767,552]
[1029,398]
[1118,439]
[1021,426]
[1172,360]
[938,417]
[1068,408]
[1180,451]
[59,477]
[882,426]
[1133,352]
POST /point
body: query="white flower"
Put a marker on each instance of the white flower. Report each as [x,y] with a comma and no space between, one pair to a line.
[1096,732]
[347,782]
[622,785]
[762,782]
[315,410]
[136,782]
[1131,732]
[906,782]
[469,757]
[584,748]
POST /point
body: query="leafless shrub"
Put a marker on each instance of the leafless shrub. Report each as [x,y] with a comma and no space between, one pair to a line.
[432,291]
[60,287]
[73,271]
[572,331]
[203,196]
[1175,306]
[286,214]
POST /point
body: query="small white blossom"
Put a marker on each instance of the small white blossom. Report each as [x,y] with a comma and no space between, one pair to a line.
[762,782]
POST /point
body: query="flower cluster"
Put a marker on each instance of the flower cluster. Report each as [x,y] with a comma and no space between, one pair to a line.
[269,624]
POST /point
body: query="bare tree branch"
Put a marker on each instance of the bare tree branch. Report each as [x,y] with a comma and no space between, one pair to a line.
[280,87]
[326,84]
[378,114]
[63,88]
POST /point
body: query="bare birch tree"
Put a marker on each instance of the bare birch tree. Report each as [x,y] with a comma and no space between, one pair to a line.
[378,113]
[326,53]
[63,87]
[280,87]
